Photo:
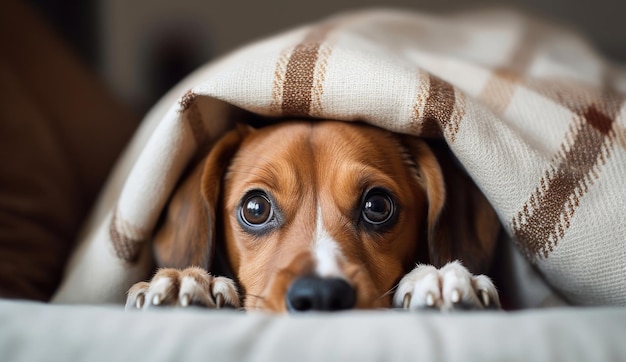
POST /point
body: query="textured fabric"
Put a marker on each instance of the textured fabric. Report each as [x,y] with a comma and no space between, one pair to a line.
[533,114]
[39,332]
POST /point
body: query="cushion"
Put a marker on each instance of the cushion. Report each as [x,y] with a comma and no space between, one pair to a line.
[567,334]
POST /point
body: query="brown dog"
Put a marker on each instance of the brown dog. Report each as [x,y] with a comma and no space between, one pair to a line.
[325,216]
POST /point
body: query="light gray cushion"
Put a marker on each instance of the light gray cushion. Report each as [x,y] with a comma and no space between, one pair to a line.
[39,332]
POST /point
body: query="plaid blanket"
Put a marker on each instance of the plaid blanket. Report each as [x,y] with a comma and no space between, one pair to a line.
[536,117]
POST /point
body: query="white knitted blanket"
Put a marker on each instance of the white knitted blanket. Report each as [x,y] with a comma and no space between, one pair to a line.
[536,117]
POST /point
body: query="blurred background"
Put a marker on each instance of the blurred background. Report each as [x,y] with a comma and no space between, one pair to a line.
[142,47]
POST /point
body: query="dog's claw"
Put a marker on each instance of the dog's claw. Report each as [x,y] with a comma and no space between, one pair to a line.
[484,297]
[140,300]
[219,300]
[157,300]
[184,300]
[430,300]
[407,301]
[455,297]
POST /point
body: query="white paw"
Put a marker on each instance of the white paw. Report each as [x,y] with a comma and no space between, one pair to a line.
[449,288]
[183,288]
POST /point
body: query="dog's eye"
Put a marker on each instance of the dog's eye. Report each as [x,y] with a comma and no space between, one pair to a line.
[256,210]
[378,208]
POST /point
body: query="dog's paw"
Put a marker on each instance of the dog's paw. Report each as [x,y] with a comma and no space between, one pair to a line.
[182,288]
[452,287]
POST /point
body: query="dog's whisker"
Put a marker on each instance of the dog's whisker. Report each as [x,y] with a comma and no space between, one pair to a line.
[390,291]
[258,305]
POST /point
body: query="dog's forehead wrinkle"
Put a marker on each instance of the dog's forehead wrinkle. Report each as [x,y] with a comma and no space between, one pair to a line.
[252,174]
[280,175]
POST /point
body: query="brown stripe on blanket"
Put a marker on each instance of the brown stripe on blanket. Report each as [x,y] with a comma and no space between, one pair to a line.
[187,100]
[300,71]
[578,97]
[546,216]
[126,240]
[440,105]
[189,107]
[319,75]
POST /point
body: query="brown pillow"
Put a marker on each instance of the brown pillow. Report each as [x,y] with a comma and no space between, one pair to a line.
[60,132]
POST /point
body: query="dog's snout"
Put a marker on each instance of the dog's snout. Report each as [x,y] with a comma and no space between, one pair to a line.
[313,293]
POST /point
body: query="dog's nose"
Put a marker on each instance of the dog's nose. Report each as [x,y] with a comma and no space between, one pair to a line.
[320,294]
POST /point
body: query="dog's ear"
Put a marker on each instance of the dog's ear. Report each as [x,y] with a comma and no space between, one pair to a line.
[186,236]
[462,225]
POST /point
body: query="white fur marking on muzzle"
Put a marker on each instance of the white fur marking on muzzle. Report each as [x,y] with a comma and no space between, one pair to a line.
[326,250]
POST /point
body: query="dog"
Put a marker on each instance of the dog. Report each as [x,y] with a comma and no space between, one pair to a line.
[324,216]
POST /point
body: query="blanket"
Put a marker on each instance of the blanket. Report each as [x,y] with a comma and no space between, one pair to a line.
[532,112]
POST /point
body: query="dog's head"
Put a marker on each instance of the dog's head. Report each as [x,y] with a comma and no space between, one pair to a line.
[325,215]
